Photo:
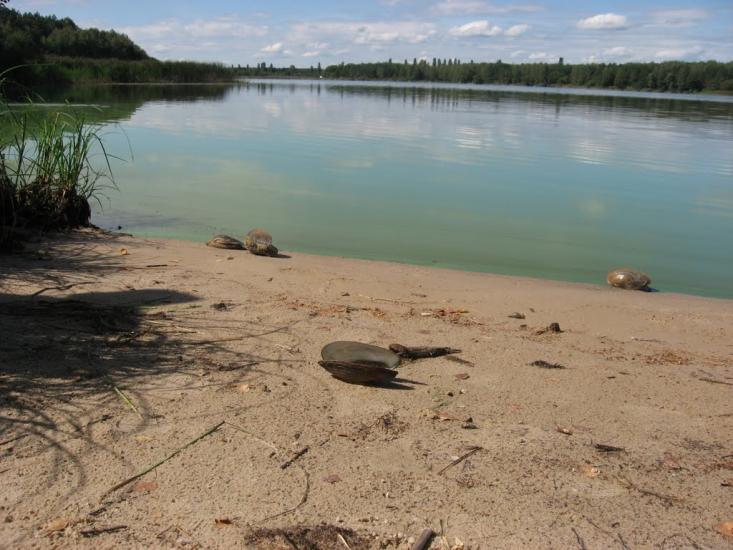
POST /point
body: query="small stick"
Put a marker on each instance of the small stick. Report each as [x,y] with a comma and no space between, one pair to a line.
[16,438]
[295,457]
[167,458]
[712,381]
[461,458]
[425,538]
[580,540]
[600,447]
[127,401]
[342,540]
[94,531]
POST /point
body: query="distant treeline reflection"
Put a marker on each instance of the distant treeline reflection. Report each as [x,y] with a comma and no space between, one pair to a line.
[461,97]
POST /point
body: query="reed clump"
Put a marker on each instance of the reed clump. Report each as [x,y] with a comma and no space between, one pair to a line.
[50,169]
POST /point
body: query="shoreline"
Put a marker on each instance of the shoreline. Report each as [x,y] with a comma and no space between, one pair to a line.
[195,337]
[314,257]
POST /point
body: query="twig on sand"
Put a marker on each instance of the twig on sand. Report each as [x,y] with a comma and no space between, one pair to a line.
[629,485]
[602,448]
[16,438]
[581,542]
[306,492]
[546,365]
[295,457]
[461,458]
[166,459]
[126,401]
[61,287]
[623,542]
[425,538]
[713,381]
[386,300]
[93,532]
[342,540]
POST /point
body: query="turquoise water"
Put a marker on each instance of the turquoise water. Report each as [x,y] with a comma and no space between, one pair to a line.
[555,184]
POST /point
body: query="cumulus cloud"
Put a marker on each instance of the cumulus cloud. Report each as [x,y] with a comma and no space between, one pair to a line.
[485,28]
[693,52]
[679,18]
[221,27]
[277,47]
[611,21]
[311,54]
[516,30]
[478,7]
[364,33]
[476,28]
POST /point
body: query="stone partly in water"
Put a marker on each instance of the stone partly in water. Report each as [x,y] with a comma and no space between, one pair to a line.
[259,242]
[629,279]
[227,242]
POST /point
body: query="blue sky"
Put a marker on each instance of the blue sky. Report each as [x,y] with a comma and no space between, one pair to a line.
[329,31]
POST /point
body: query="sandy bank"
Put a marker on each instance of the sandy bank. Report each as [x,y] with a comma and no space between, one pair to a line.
[194,336]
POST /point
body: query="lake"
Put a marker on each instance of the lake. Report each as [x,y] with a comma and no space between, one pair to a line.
[523,181]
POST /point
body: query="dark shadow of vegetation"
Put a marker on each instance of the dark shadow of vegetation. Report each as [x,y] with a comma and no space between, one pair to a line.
[71,363]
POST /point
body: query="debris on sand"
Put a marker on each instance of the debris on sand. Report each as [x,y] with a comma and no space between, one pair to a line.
[323,536]
[600,447]
[545,365]
[553,328]
[408,352]
[517,315]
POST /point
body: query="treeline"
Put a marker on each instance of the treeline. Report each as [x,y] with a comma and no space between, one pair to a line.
[263,70]
[669,76]
[44,50]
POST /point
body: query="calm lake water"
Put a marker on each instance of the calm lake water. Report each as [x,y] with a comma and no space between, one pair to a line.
[561,185]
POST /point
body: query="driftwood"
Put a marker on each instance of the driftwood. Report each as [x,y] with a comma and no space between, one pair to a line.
[421,352]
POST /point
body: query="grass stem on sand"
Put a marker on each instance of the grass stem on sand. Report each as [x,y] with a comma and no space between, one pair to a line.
[129,480]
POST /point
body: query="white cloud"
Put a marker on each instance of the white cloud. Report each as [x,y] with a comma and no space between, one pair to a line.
[365,33]
[540,56]
[477,7]
[516,30]
[693,52]
[618,51]
[679,18]
[315,53]
[174,29]
[611,21]
[273,48]
[476,28]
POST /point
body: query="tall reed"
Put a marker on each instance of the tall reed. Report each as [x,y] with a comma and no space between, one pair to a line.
[49,170]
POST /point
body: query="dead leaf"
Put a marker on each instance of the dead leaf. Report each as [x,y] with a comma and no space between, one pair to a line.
[566,431]
[728,483]
[462,376]
[243,388]
[725,528]
[143,438]
[333,478]
[123,252]
[144,486]
[58,524]
[590,471]
[222,522]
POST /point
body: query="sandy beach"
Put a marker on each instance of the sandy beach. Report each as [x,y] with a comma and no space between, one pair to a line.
[118,354]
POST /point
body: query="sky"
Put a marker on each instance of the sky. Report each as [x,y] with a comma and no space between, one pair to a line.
[305,33]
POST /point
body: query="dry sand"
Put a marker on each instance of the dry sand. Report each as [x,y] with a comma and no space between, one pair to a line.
[193,336]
